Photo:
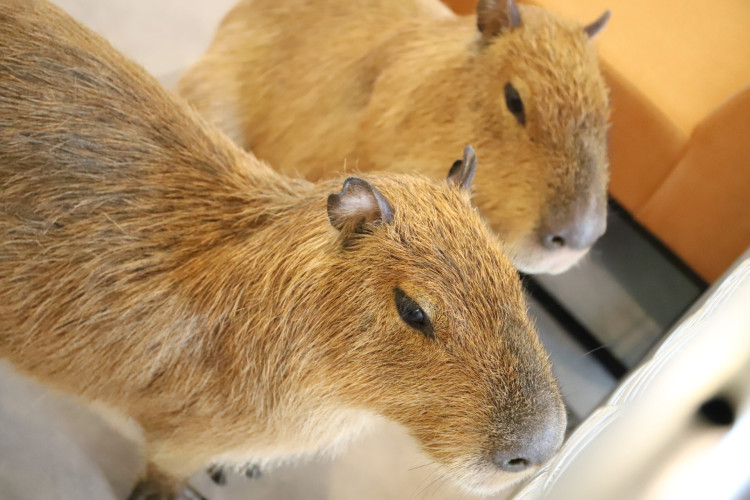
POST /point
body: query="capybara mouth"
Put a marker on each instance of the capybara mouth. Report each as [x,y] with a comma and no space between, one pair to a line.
[532,259]
[483,477]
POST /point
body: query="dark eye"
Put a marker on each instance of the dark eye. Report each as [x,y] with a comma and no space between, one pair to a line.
[412,314]
[514,103]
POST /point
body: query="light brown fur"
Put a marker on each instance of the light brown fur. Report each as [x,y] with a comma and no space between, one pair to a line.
[401,85]
[149,265]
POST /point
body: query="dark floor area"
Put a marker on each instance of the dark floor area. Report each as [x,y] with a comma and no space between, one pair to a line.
[601,318]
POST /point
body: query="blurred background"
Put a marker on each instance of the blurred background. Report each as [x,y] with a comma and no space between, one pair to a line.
[679,74]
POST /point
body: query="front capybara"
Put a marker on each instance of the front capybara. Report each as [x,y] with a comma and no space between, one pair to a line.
[399,85]
[150,266]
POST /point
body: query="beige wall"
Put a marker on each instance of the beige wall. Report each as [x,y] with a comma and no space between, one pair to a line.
[165,36]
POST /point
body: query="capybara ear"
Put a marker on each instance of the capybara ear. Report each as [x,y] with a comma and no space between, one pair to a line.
[462,171]
[358,204]
[497,16]
[595,27]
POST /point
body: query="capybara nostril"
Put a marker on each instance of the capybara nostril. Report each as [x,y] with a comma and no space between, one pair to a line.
[577,234]
[532,449]
[510,464]
[553,241]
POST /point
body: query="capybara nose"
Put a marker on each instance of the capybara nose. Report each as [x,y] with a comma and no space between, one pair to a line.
[534,450]
[579,234]
[512,463]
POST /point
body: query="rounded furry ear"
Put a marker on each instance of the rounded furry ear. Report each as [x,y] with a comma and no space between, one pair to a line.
[496,16]
[359,203]
[462,171]
[592,29]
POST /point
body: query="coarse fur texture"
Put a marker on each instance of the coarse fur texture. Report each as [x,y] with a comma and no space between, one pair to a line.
[149,265]
[400,85]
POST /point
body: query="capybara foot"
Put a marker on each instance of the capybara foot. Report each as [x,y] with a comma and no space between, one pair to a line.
[217,474]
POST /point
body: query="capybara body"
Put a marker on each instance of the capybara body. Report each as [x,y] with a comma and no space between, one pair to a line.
[398,85]
[149,265]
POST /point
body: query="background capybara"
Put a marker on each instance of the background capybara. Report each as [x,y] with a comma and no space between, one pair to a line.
[400,85]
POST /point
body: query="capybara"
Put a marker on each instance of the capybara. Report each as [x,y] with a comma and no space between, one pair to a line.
[400,85]
[150,266]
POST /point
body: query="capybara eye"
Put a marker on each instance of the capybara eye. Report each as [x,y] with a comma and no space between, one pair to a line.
[412,314]
[514,103]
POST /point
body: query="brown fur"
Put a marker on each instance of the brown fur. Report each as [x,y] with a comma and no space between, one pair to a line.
[149,265]
[400,85]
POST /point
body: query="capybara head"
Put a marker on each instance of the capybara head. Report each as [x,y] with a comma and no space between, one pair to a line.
[434,330]
[546,109]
